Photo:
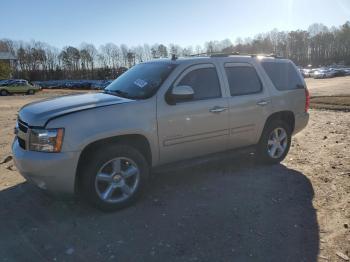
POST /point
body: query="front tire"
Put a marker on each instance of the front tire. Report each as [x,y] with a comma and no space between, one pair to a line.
[114,177]
[274,142]
[30,92]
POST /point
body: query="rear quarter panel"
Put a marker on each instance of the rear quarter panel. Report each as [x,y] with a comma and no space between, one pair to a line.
[287,100]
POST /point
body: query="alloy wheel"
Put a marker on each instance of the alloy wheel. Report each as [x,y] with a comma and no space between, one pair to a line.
[277,142]
[117,180]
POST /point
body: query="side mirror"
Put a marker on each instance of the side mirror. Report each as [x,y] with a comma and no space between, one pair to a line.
[180,93]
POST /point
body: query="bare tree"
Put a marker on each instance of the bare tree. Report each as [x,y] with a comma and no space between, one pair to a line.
[147,52]
[319,45]
[92,51]
[198,49]
[124,52]
[175,49]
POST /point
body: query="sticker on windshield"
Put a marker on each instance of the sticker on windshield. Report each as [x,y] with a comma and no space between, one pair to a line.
[140,83]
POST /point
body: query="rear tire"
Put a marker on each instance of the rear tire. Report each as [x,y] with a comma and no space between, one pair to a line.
[3,92]
[114,176]
[274,142]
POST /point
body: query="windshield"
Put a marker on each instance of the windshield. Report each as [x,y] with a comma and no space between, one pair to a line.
[141,81]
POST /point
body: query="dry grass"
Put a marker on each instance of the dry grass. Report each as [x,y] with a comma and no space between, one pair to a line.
[338,103]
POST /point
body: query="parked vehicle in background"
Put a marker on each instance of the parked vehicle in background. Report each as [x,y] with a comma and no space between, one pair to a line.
[13,86]
[74,84]
[323,73]
[338,71]
[3,82]
[306,72]
[312,72]
[103,145]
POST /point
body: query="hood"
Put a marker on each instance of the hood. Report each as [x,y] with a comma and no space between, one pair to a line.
[39,113]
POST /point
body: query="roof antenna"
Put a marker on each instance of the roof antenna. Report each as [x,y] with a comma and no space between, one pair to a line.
[173,57]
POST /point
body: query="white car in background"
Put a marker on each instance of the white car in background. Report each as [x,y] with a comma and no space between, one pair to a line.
[305,72]
[323,73]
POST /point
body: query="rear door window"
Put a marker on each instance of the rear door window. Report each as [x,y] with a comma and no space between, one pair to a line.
[283,75]
[243,80]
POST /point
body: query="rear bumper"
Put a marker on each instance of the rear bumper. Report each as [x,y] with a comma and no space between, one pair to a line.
[54,172]
[301,121]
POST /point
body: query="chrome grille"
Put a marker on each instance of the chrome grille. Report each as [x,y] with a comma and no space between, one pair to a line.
[22,126]
[21,133]
[21,143]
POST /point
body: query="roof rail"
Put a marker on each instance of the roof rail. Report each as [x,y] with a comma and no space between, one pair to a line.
[267,55]
[226,54]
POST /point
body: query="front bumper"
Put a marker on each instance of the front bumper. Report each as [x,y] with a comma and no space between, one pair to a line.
[301,121]
[54,172]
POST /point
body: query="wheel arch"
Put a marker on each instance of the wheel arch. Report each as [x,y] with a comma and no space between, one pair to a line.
[4,89]
[285,116]
[140,142]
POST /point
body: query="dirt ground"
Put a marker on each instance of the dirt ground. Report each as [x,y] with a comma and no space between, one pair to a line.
[329,87]
[225,210]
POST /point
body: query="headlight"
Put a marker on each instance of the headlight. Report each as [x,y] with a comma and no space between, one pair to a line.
[46,140]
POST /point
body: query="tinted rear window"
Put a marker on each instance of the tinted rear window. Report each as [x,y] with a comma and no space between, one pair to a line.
[283,75]
[243,80]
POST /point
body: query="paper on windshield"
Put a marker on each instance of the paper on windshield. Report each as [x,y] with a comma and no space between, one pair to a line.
[140,83]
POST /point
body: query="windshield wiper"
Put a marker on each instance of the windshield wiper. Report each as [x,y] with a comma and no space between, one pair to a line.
[117,93]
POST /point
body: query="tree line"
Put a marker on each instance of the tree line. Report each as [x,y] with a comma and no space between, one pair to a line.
[319,45]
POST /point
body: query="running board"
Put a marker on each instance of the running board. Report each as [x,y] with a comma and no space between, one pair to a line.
[205,159]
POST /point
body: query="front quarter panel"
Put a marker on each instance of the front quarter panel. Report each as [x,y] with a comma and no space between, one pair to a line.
[87,126]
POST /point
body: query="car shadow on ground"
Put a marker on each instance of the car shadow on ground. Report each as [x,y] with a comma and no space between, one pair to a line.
[224,210]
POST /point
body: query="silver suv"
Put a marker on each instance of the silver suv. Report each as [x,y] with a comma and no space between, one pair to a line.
[103,145]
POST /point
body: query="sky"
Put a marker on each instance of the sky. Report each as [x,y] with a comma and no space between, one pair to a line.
[184,22]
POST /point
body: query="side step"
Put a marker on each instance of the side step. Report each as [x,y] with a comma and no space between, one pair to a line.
[205,159]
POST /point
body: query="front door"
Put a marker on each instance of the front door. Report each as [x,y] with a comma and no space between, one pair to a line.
[196,127]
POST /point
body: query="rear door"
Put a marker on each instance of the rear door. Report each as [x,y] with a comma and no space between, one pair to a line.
[196,127]
[23,87]
[249,103]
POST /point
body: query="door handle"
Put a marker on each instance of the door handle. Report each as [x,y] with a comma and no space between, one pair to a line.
[262,103]
[217,109]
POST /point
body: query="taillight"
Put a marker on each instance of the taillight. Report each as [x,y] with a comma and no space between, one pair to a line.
[307,100]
